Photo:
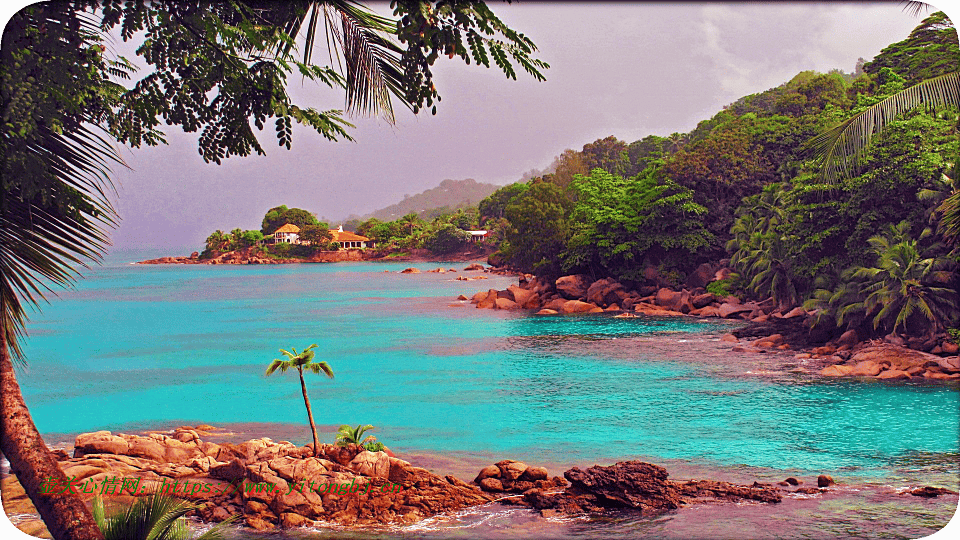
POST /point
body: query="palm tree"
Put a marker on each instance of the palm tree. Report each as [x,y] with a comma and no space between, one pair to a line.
[348,435]
[302,361]
[841,147]
[902,286]
[60,109]
[158,517]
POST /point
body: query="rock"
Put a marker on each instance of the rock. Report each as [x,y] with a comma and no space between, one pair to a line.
[867,368]
[848,338]
[701,276]
[703,300]
[520,296]
[894,374]
[490,471]
[949,347]
[897,357]
[729,338]
[491,484]
[462,297]
[950,363]
[503,303]
[100,442]
[727,309]
[572,287]
[373,464]
[792,481]
[929,491]
[532,474]
[836,371]
[475,267]
[674,301]
[555,304]
[825,481]
[630,484]
[576,306]
[795,312]
[230,471]
[511,470]
[547,312]
[290,520]
[410,271]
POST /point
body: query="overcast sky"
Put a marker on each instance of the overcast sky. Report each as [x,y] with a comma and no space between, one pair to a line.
[621,69]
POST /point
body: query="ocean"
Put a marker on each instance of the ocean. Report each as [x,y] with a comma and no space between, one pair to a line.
[453,388]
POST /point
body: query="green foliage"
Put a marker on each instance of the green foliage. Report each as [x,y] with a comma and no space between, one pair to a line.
[619,225]
[317,235]
[374,446]
[157,517]
[280,251]
[929,51]
[250,238]
[539,229]
[447,239]
[279,216]
[720,287]
[954,335]
[492,207]
[348,435]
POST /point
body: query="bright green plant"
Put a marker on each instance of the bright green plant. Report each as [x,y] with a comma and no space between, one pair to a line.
[158,517]
[374,446]
[348,435]
[302,361]
[719,288]
[954,335]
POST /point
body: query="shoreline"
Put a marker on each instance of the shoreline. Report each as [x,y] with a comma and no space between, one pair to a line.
[774,491]
[249,256]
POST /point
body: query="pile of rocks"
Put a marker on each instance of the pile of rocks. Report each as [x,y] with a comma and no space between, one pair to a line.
[579,294]
[893,362]
[183,455]
[630,484]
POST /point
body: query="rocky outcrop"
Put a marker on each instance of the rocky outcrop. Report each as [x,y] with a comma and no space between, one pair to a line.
[893,362]
[261,479]
[631,484]
[573,287]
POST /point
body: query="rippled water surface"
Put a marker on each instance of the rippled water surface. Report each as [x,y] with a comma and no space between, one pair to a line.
[138,347]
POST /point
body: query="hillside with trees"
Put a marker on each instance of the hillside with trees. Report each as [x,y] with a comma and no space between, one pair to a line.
[872,247]
[446,198]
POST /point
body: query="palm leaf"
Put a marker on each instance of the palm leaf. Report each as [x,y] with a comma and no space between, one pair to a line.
[842,146]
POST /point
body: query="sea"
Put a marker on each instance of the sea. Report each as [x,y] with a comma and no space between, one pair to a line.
[451,388]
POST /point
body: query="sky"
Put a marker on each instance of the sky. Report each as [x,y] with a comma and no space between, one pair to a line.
[623,69]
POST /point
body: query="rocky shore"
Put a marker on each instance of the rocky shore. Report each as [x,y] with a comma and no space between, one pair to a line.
[767,327]
[186,455]
[253,256]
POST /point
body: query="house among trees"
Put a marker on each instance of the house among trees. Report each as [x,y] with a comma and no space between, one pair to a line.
[349,239]
[288,234]
[478,236]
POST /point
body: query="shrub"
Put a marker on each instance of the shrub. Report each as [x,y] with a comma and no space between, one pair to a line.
[374,446]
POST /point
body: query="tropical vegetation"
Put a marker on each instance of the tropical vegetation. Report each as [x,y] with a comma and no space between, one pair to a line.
[354,435]
[157,517]
[302,361]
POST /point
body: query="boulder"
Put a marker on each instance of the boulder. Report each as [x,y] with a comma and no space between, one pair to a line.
[867,368]
[503,303]
[701,276]
[949,347]
[727,310]
[673,300]
[546,311]
[825,481]
[848,338]
[101,442]
[630,484]
[836,371]
[729,338]
[373,464]
[491,484]
[510,469]
[894,374]
[573,287]
[576,306]
[556,304]
[520,296]
[475,267]
[703,300]
[490,471]
[795,312]
[410,271]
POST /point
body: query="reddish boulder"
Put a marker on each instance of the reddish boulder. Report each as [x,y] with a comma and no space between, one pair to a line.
[573,287]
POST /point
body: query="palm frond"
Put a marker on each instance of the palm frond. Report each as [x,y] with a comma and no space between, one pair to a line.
[321,367]
[841,147]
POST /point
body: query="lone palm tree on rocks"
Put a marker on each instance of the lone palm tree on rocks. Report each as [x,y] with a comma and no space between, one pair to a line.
[302,361]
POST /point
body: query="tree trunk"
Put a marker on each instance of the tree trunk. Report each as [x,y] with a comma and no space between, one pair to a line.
[66,516]
[306,401]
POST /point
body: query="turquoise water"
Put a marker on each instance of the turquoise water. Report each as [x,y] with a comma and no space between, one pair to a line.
[138,347]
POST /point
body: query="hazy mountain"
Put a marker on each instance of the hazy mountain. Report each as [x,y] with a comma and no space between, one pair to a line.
[449,195]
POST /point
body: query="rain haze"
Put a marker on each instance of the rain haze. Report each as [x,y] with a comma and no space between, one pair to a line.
[622,69]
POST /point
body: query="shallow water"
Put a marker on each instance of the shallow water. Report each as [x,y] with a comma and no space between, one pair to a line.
[140,347]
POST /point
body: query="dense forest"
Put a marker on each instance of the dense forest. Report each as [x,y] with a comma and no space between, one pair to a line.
[873,250]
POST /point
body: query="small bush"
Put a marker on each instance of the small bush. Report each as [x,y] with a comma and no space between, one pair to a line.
[954,335]
[719,288]
[374,446]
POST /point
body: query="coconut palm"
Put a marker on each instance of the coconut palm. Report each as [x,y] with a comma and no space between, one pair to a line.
[60,108]
[903,286]
[302,361]
[157,517]
[348,435]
